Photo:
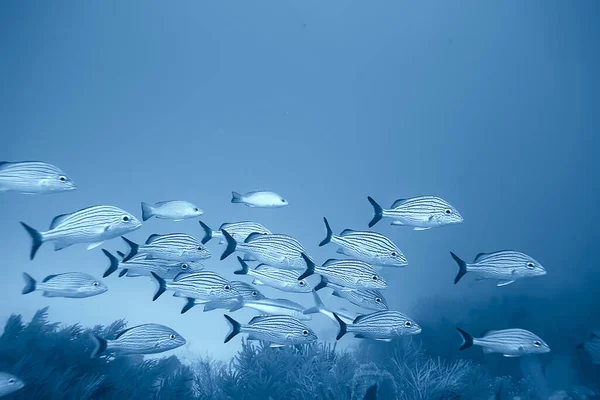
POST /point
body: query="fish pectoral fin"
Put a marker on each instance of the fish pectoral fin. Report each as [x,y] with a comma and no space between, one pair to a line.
[504,283]
[384,340]
[510,355]
[341,251]
[177,220]
[276,345]
[94,245]
[257,282]
[418,228]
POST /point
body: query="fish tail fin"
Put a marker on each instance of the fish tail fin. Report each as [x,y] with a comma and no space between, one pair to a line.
[100,345]
[343,327]
[208,233]
[321,284]
[318,305]
[231,245]
[190,302]
[462,267]
[236,197]
[114,263]
[162,286]
[329,233]
[235,328]
[29,283]
[377,212]
[244,269]
[36,239]
[310,267]
[468,339]
[147,211]
[133,249]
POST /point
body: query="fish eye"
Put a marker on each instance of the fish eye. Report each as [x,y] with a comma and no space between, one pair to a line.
[255,293]
[537,343]
[62,178]
[172,336]
[184,266]
[530,265]
[305,332]
[95,283]
[196,209]
[448,211]
[283,200]
[408,324]
[377,300]
[301,283]
[394,253]
[11,380]
[375,277]
[126,218]
[227,287]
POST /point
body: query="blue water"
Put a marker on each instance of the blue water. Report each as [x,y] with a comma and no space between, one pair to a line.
[490,105]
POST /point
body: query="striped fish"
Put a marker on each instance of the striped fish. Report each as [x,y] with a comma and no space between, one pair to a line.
[509,342]
[248,292]
[352,274]
[422,213]
[370,299]
[93,225]
[259,199]
[33,177]
[174,210]
[277,250]
[381,325]
[76,285]
[9,384]
[139,265]
[320,308]
[274,307]
[282,279]
[203,285]
[279,330]
[505,266]
[173,246]
[238,230]
[592,347]
[370,247]
[142,339]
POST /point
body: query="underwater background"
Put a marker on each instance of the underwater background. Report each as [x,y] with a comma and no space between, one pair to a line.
[490,105]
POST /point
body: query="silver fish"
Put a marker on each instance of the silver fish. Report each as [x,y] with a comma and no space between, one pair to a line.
[248,292]
[370,247]
[238,230]
[277,250]
[352,274]
[259,199]
[505,266]
[173,246]
[142,339]
[75,285]
[381,325]
[90,225]
[370,299]
[509,342]
[33,177]
[422,213]
[203,285]
[320,308]
[139,265]
[175,210]
[280,330]
[274,307]
[282,279]
[9,384]
[592,347]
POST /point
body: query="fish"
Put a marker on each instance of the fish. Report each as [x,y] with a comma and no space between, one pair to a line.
[141,339]
[139,265]
[246,291]
[174,210]
[260,199]
[592,347]
[282,279]
[381,325]
[370,299]
[320,308]
[279,330]
[93,225]
[173,247]
[75,285]
[508,342]
[274,307]
[33,177]
[505,266]
[421,213]
[238,230]
[352,274]
[9,384]
[203,285]
[277,250]
[370,247]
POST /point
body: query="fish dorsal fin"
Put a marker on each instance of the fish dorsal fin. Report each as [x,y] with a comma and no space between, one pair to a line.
[162,203]
[256,319]
[5,164]
[252,236]
[487,332]
[398,203]
[46,279]
[57,220]
[123,332]
[359,318]
[347,232]
[153,238]
[480,256]
[329,262]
